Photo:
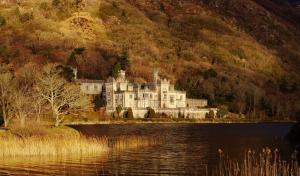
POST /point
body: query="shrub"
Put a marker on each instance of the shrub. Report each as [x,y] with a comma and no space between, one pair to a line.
[222,112]
[186,55]
[2,21]
[210,73]
[4,51]
[114,115]
[180,115]
[129,114]
[157,17]
[239,52]
[79,51]
[288,84]
[26,17]
[150,114]
[56,3]
[210,114]
[119,110]
[44,6]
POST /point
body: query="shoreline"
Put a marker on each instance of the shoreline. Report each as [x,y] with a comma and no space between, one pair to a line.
[174,122]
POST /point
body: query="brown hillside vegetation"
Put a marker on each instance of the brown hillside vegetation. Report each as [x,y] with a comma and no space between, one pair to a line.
[236,53]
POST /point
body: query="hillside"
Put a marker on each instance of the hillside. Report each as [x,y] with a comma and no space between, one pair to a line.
[242,54]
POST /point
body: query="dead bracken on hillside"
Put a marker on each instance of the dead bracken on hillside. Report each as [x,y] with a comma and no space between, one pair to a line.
[237,54]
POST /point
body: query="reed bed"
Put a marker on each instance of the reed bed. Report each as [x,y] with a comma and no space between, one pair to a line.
[49,146]
[266,163]
[65,141]
[134,142]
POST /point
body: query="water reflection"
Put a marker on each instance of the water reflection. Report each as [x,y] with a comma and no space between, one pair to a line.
[294,137]
[187,149]
[18,166]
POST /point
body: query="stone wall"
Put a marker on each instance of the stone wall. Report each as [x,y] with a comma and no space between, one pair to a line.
[186,113]
[196,103]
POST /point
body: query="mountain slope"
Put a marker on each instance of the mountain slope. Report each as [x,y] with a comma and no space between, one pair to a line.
[239,53]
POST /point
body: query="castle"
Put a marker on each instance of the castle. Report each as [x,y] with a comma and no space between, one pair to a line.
[159,95]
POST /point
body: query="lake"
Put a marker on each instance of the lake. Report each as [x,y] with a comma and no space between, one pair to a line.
[187,149]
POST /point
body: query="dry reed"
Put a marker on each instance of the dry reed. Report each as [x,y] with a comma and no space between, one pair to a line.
[134,142]
[266,163]
[49,146]
[65,141]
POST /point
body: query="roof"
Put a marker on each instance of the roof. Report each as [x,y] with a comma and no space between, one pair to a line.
[89,81]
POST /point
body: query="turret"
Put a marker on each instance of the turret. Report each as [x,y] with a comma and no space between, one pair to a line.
[122,74]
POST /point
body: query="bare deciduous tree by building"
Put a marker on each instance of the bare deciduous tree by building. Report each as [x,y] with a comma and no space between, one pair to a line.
[62,96]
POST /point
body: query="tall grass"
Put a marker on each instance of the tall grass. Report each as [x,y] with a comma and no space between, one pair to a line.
[50,146]
[266,163]
[65,141]
[134,142]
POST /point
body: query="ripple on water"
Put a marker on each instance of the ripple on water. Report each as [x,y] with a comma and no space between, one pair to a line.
[188,149]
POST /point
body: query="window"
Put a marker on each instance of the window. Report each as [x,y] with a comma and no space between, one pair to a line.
[87,87]
[130,96]
[172,99]
[95,87]
[165,96]
[151,96]
[180,97]
[118,87]
[145,95]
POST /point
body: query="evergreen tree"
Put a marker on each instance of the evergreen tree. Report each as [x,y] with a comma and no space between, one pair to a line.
[72,59]
[66,72]
[98,102]
[124,61]
[116,70]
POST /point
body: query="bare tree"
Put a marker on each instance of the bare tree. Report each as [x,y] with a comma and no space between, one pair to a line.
[21,106]
[23,97]
[6,86]
[38,105]
[62,96]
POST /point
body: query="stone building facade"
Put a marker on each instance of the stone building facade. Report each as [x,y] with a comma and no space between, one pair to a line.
[159,95]
[91,87]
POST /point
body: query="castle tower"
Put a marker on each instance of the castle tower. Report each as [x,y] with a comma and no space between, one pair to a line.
[122,74]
